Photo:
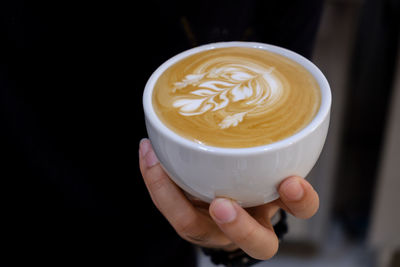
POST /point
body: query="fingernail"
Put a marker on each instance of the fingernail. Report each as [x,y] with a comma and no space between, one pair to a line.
[147,152]
[143,147]
[223,210]
[293,190]
[151,159]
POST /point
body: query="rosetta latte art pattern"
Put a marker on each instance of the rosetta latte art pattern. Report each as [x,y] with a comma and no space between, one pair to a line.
[217,88]
[236,97]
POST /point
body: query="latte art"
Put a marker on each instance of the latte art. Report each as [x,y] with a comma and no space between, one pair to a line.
[218,88]
[236,97]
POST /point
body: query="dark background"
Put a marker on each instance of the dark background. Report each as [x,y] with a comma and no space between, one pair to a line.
[72,75]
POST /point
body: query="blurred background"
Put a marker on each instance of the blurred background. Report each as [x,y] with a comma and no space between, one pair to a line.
[71,79]
[358,174]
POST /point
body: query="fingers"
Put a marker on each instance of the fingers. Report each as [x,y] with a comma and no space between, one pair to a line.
[298,197]
[251,230]
[188,222]
[256,240]
[230,225]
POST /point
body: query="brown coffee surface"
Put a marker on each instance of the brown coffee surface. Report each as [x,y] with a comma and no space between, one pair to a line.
[236,97]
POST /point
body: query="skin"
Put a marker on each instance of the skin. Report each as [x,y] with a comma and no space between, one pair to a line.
[223,223]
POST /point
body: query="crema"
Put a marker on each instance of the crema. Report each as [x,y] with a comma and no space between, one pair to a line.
[236,97]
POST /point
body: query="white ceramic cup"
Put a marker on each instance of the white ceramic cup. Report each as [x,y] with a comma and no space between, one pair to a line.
[248,175]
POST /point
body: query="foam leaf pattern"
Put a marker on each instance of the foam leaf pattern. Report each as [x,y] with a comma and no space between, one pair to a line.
[232,120]
[215,89]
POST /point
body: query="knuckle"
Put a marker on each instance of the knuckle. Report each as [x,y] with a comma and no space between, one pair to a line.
[189,230]
[187,226]
[245,235]
[256,244]
[198,238]
[268,253]
[156,182]
[265,250]
[307,209]
[302,208]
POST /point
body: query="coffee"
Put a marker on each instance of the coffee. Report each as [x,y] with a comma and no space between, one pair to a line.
[236,97]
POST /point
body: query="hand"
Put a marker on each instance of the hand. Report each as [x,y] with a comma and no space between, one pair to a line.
[223,223]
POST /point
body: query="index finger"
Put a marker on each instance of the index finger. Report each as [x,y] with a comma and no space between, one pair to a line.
[298,197]
[188,222]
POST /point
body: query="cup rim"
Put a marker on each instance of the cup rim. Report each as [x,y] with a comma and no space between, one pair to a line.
[319,118]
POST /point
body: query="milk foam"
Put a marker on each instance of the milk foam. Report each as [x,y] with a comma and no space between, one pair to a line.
[219,87]
[236,97]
